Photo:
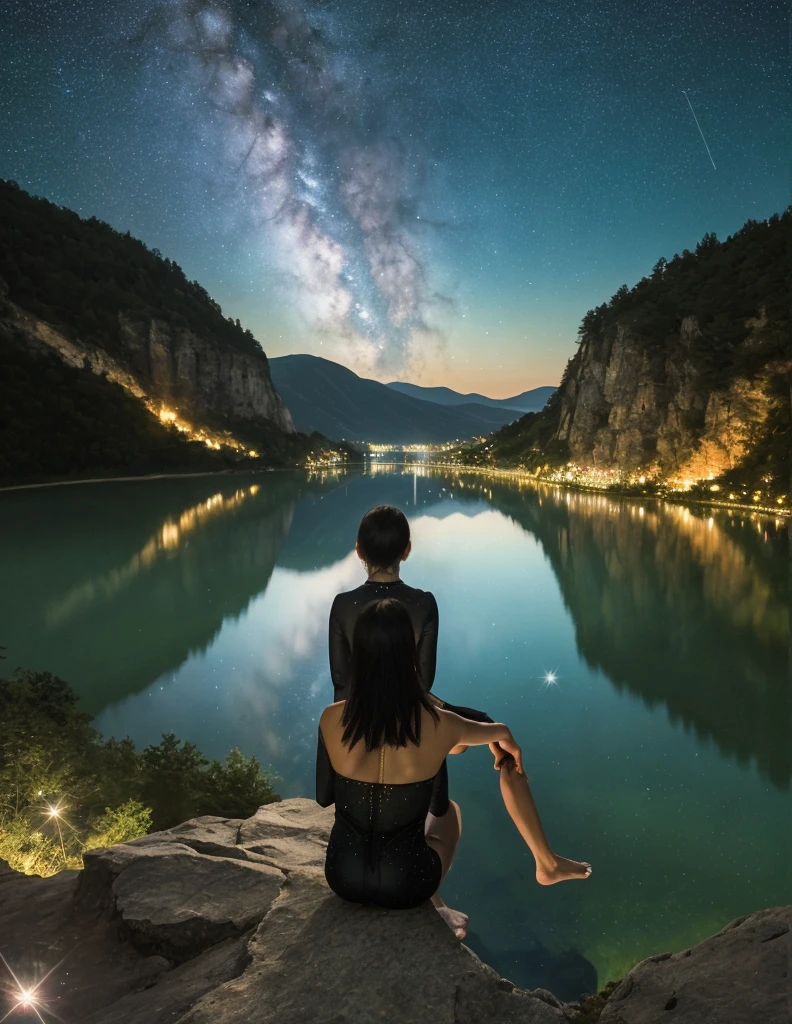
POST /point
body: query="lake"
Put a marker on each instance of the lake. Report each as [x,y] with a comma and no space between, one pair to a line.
[662,753]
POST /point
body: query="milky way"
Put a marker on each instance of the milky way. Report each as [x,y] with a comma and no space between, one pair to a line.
[337,199]
[419,189]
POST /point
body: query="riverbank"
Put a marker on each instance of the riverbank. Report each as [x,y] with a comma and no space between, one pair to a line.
[150,476]
[613,491]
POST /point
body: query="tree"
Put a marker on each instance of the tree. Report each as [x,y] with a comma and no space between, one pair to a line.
[236,787]
[63,790]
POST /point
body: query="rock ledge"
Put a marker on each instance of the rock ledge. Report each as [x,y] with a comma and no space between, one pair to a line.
[223,920]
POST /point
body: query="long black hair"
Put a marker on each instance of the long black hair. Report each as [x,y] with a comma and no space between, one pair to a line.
[385,695]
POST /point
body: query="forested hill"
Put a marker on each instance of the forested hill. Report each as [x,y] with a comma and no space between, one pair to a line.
[685,376]
[79,274]
[112,361]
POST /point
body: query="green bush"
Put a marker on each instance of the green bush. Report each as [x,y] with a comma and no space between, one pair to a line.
[64,790]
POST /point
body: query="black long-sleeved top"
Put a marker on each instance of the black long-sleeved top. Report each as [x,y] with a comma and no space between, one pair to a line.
[422,608]
[344,613]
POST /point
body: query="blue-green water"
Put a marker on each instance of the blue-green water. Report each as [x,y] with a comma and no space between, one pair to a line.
[663,755]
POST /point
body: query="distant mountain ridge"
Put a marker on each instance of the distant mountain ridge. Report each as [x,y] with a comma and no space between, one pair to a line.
[529,401]
[325,396]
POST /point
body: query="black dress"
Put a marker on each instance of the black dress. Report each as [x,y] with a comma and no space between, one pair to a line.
[377,852]
[422,609]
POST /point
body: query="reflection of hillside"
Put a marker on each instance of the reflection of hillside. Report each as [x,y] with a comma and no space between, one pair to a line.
[147,571]
[678,608]
[325,524]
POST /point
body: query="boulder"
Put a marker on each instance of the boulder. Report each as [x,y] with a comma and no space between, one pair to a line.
[222,920]
[742,975]
[181,903]
[317,960]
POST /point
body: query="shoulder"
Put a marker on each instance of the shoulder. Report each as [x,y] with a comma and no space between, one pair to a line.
[351,597]
[446,725]
[345,602]
[331,715]
[421,598]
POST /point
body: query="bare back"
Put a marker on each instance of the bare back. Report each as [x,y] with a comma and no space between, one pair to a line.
[401,764]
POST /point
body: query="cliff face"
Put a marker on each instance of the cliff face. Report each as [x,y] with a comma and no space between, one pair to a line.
[175,368]
[625,405]
[104,300]
[185,370]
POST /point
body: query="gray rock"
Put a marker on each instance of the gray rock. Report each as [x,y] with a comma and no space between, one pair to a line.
[220,920]
[317,960]
[198,377]
[176,990]
[629,405]
[742,975]
[180,903]
[298,817]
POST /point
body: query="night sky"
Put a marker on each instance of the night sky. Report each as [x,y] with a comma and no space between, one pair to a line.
[428,191]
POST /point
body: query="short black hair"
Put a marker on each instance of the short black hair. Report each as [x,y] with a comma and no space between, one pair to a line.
[385,696]
[383,535]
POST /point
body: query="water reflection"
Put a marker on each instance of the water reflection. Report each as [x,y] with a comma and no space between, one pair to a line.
[201,607]
[566,974]
[678,606]
[171,534]
[116,584]
[674,604]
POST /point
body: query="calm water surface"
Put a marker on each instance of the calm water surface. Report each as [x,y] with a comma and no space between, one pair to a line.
[663,755]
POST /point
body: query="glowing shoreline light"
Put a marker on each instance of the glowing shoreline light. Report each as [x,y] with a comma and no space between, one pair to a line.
[615,480]
[169,417]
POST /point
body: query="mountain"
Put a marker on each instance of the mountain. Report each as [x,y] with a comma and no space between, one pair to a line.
[88,311]
[327,397]
[528,401]
[685,377]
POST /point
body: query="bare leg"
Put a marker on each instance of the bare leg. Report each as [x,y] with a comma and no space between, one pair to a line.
[519,802]
[442,834]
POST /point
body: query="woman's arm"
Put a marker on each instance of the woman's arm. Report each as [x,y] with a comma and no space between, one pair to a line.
[325,776]
[340,655]
[464,733]
[427,643]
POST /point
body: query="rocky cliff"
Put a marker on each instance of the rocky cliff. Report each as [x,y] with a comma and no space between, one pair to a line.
[685,377]
[223,920]
[626,406]
[103,302]
[172,369]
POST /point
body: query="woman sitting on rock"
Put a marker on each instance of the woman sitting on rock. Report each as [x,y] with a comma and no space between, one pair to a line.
[379,753]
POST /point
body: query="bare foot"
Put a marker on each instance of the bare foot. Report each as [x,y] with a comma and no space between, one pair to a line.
[564,870]
[455,919]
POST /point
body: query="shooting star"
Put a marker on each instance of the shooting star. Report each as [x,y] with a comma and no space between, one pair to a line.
[701,133]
